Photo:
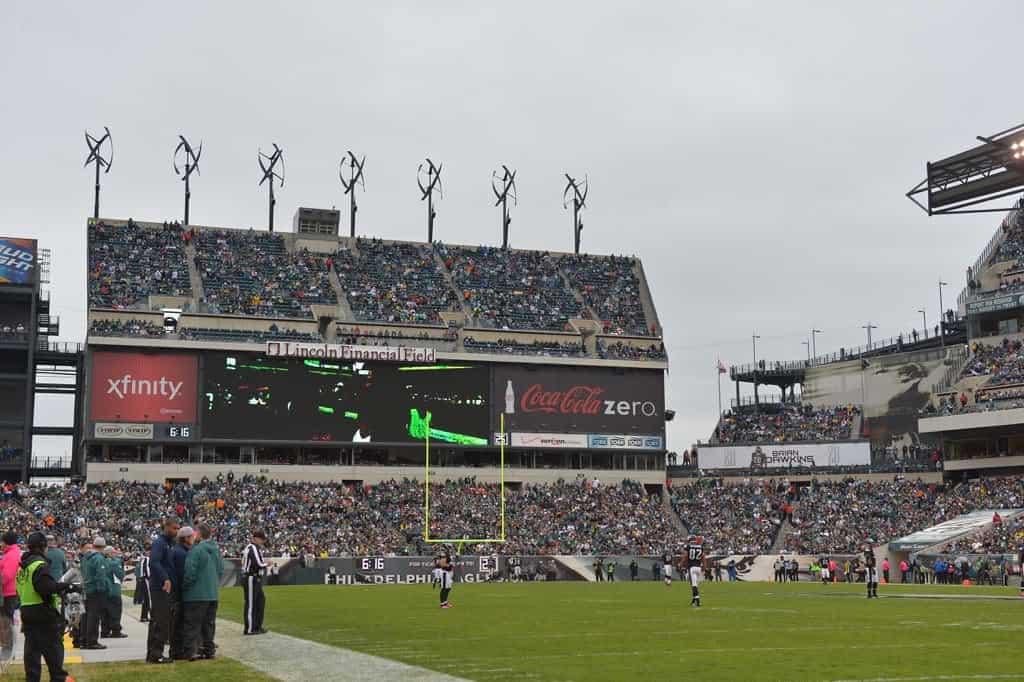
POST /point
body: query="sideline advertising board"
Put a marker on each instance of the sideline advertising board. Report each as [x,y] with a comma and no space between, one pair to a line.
[784,456]
[349,353]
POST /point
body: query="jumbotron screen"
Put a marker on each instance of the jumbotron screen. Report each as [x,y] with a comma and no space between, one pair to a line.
[254,397]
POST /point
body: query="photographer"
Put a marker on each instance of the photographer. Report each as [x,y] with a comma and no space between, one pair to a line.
[42,623]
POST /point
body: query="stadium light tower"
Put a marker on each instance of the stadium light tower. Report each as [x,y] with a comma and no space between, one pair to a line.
[268,164]
[579,202]
[924,321]
[96,157]
[807,343]
[507,179]
[354,166]
[869,327]
[190,157]
[992,170]
[814,344]
[428,177]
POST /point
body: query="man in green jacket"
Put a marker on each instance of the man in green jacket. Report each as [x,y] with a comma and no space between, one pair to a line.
[200,592]
[94,585]
[111,621]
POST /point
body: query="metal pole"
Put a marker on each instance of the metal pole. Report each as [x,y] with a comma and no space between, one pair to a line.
[352,213]
[808,344]
[942,316]
[718,371]
[270,220]
[96,201]
[504,224]
[188,193]
[430,218]
[924,321]
[814,344]
[576,240]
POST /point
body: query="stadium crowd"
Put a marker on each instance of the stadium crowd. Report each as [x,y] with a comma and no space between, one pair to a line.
[622,351]
[252,273]
[507,289]
[393,282]
[335,519]
[733,519]
[610,286]
[565,349]
[128,263]
[790,422]
[124,328]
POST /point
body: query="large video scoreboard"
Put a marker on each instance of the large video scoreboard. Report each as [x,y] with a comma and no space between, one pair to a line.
[253,397]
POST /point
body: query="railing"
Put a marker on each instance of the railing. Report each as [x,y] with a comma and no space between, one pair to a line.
[957,357]
[66,347]
[773,399]
[55,462]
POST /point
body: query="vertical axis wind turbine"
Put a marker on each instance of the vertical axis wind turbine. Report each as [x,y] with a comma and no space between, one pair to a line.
[579,202]
[190,157]
[96,157]
[432,175]
[268,164]
[355,175]
[507,179]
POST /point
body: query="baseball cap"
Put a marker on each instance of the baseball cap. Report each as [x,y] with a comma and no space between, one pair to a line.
[98,542]
[186,532]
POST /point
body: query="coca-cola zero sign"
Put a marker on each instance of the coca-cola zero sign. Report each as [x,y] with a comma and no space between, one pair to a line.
[580,399]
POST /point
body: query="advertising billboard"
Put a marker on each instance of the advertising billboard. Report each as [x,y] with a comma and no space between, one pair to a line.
[143,387]
[788,455]
[574,400]
[260,397]
[17,260]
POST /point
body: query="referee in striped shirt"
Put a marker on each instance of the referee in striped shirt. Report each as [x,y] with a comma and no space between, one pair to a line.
[142,595]
[253,567]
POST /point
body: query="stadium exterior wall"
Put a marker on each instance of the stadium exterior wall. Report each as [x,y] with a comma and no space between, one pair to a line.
[157,473]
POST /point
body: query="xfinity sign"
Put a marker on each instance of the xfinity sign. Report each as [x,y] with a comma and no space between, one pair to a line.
[142,387]
[127,386]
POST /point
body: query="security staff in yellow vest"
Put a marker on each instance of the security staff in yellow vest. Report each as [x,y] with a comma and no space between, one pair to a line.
[41,621]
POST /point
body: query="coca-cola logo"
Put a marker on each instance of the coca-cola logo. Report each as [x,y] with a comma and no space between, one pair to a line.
[576,400]
[582,400]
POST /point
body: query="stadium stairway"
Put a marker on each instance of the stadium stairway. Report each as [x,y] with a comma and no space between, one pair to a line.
[579,299]
[451,283]
[194,277]
[671,515]
[780,537]
[344,309]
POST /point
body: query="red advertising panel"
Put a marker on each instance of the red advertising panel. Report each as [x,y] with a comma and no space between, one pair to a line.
[143,387]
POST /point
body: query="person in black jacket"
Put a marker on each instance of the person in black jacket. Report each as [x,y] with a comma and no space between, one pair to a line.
[179,552]
[41,622]
[161,568]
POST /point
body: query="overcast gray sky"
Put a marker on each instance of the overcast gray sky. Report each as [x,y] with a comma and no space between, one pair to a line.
[754,155]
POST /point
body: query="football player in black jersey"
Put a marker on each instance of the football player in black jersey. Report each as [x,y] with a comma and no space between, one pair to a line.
[695,565]
[871,573]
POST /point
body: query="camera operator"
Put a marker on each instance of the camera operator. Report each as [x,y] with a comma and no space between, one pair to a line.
[41,621]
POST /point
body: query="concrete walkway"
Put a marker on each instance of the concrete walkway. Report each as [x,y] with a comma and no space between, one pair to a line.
[286,658]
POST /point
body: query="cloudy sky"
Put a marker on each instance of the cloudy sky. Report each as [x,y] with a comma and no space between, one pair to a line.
[754,155]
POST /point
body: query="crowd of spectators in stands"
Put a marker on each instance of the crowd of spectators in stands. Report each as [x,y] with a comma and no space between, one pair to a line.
[252,273]
[558,349]
[128,263]
[274,333]
[507,289]
[788,422]
[845,516]
[1003,363]
[624,351]
[1002,537]
[1011,248]
[354,336]
[610,286]
[741,518]
[394,282]
[125,328]
[336,519]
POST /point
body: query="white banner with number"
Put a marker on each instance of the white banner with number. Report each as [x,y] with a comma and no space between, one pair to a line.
[802,455]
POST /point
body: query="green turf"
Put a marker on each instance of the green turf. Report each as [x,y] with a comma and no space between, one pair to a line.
[588,631]
[221,670]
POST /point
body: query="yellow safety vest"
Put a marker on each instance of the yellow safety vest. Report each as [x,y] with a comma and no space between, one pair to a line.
[27,594]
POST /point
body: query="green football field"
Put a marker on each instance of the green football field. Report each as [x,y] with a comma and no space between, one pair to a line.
[623,631]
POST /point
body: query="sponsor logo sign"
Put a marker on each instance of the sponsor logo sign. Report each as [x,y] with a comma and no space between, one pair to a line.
[17,260]
[143,387]
[995,303]
[327,351]
[585,400]
[549,440]
[122,431]
[804,456]
[601,441]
